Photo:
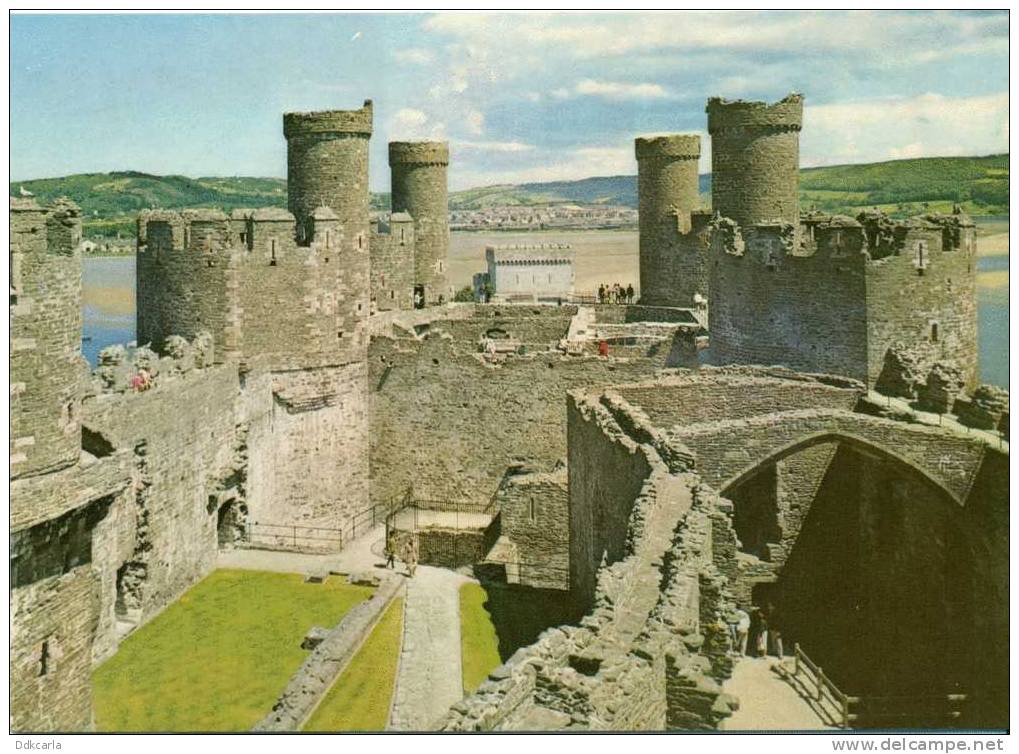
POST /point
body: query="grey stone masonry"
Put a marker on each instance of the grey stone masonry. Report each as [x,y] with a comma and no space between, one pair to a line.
[419,189]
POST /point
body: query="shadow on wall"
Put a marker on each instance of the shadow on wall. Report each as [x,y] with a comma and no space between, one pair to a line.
[520,614]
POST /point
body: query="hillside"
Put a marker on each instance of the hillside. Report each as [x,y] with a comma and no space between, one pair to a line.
[902,187]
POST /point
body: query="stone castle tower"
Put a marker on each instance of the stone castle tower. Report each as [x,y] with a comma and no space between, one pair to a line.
[755,160]
[45,357]
[672,271]
[826,293]
[419,189]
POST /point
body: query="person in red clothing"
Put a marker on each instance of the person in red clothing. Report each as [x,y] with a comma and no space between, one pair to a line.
[603,348]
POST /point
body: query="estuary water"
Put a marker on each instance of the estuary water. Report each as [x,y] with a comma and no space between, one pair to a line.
[108,296]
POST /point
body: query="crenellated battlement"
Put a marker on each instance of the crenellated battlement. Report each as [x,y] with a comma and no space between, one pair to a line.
[727,115]
[61,221]
[356,122]
[418,153]
[671,147]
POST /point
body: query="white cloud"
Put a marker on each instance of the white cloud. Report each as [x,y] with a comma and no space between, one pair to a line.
[617,90]
[494,146]
[475,123]
[924,126]
[415,56]
[613,90]
[593,36]
[409,123]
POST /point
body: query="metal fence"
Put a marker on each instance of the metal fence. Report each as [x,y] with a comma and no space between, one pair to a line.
[292,536]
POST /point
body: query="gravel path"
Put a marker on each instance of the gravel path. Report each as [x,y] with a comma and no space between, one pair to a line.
[766,701]
[430,679]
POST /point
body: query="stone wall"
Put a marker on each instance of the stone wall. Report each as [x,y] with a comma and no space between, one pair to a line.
[931,310]
[769,306]
[607,471]
[307,434]
[534,513]
[392,265]
[449,422]
[182,435]
[45,322]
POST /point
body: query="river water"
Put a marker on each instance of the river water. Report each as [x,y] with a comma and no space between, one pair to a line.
[108,297]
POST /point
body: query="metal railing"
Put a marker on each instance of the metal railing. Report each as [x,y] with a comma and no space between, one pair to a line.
[296,536]
[845,709]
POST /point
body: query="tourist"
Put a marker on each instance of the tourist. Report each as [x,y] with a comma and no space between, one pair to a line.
[601,294]
[776,632]
[603,348]
[762,633]
[742,630]
[391,551]
[629,294]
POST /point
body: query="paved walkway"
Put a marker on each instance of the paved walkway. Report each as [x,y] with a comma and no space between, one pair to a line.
[430,678]
[766,701]
[945,421]
[363,554]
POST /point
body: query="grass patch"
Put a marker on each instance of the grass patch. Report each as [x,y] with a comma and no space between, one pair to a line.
[478,638]
[360,698]
[217,658]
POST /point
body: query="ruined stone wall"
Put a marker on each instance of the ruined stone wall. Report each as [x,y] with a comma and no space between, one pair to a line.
[733,393]
[392,266]
[450,423]
[607,471]
[53,619]
[769,306]
[755,159]
[181,434]
[535,516]
[419,189]
[932,311]
[45,321]
[307,436]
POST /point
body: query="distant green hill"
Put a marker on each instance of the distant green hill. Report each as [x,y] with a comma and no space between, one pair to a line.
[902,187]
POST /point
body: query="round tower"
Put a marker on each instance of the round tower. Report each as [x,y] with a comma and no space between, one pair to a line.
[755,159]
[667,187]
[327,166]
[419,189]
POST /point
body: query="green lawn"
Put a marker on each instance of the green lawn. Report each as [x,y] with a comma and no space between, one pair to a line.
[359,700]
[479,641]
[217,658]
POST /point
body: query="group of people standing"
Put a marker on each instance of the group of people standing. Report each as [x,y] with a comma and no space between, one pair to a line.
[615,294]
[759,623]
[408,551]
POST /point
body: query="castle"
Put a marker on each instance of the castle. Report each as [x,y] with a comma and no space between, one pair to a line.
[302,376]
[813,292]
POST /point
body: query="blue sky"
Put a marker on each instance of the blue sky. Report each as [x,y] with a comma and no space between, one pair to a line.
[520,97]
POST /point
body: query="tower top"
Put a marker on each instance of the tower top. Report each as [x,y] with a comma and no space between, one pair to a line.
[678,146]
[329,122]
[723,114]
[419,152]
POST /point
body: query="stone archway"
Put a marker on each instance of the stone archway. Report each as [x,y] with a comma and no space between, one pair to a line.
[871,566]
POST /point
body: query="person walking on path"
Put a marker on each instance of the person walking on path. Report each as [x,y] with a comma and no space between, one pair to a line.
[742,630]
[629,293]
[391,551]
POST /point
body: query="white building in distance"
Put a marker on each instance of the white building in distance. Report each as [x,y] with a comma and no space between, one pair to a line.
[527,272]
